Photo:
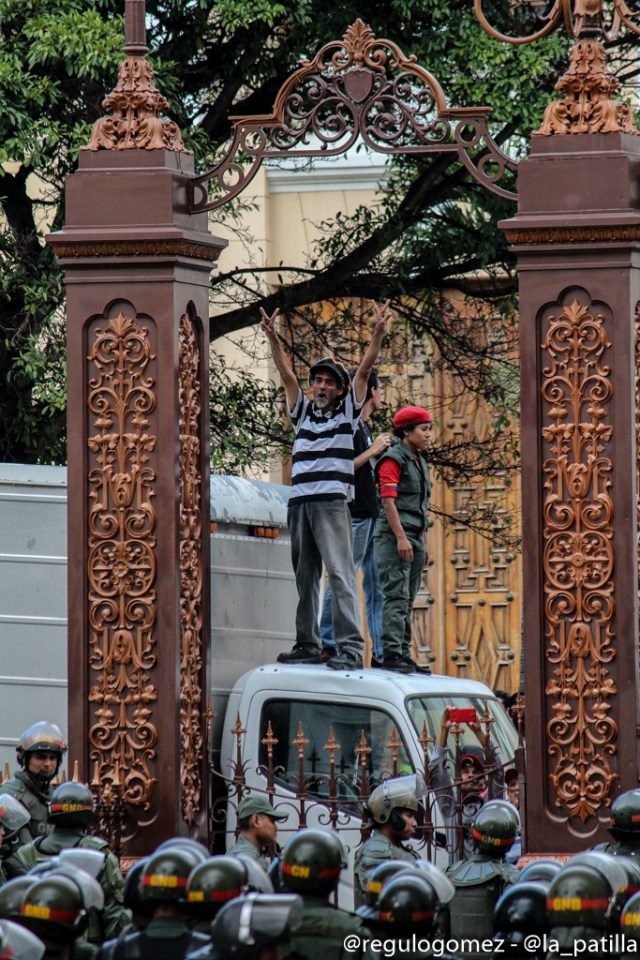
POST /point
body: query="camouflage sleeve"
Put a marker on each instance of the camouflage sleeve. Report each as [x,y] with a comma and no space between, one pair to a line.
[374,852]
[115,915]
[19,864]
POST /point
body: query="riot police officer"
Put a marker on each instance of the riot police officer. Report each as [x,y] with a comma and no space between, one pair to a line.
[71,812]
[56,909]
[521,913]
[481,880]
[630,928]
[392,807]
[408,908]
[252,926]
[624,825]
[217,881]
[311,865]
[583,901]
[13,817]
[163,884]
[40,750]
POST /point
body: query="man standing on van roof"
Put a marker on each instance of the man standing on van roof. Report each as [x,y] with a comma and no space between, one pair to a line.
[322,487]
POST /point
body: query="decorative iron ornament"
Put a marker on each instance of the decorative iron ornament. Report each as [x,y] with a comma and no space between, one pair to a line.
[136,105]
[580,18]
[578,555]
[191,571]
[588,85]
[121,567]
[358,87]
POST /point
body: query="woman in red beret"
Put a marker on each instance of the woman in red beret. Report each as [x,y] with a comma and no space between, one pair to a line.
[405,490]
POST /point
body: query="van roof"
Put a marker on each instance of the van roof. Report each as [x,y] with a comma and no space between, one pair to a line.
[364,682]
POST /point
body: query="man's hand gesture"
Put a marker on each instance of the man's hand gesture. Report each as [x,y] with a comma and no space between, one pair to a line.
[268,323]
[382,316]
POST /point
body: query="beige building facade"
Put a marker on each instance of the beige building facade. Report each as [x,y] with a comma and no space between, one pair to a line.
[467,618]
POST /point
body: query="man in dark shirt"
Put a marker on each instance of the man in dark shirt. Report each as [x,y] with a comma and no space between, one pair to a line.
[364,510]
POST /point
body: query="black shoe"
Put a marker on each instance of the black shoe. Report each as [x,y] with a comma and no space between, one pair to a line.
[376,664]
[300,654]
[397,664]
[416,667]
[326,653]
[345,661]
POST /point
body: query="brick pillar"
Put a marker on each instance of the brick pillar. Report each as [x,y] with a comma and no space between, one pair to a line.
[577,239]
[137,269]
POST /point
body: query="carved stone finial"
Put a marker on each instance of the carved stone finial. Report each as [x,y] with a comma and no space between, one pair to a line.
[587,107]
[135,103]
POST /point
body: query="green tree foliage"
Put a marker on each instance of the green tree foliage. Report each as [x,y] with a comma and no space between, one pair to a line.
[435,230]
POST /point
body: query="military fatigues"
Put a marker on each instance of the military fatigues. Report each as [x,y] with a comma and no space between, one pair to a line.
[376,850]
[245,848]
[323,930]
[400,579]
[23,788]
[479,882]
[114,917]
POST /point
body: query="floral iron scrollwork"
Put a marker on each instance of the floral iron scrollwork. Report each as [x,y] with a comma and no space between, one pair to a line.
[588,85]
[578,556]
[122,562]
[191,571]
[359,87]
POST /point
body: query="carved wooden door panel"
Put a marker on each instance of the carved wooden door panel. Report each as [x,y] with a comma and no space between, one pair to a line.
[467,619]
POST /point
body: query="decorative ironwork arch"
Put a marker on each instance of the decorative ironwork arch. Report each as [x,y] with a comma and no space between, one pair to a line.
[581,18]
[359,87]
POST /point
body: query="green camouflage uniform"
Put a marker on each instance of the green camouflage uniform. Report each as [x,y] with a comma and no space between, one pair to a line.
[322,933]
[114,917]
[376,850]
[400,579]
[23,788]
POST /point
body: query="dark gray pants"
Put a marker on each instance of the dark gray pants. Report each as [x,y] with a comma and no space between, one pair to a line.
[321,533]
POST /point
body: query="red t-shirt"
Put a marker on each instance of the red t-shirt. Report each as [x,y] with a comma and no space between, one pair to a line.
[389,477]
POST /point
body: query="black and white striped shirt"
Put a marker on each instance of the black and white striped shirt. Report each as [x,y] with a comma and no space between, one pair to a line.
[323,450]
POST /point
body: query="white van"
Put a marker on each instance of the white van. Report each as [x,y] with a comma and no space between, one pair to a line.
[302,707]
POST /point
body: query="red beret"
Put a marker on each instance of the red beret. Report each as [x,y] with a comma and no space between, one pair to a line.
[411,416]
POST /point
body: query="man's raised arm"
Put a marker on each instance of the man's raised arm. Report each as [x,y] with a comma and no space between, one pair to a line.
[284,368]
[361,379]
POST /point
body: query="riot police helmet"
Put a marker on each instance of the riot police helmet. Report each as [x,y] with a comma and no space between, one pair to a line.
[71,805]
[409,903]
[53,908]
[398,793]
[540,871]
[165,875]
[253,921]
[18,943]
[624,820]
[312,862]
[495,828]
[41,736]
[521,912]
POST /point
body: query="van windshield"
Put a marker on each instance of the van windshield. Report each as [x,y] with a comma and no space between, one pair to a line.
[428,710]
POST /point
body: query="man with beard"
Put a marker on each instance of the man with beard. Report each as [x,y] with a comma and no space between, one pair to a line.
[322,485]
